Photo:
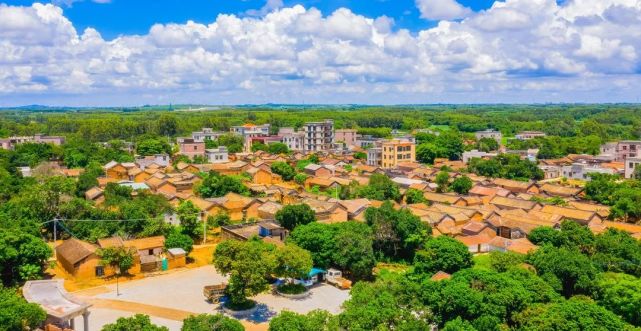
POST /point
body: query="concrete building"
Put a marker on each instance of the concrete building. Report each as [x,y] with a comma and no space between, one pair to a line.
[550,171]
[467,156]
[191,148]
[631,163]
[158,159]
[397,151]
[251,130]
[367,141]
[490,134]
[206,134]
[217,155]
[319,136]
[622,150]
[292,138]
[527,135]
[346,136]
[11,142]
[582,171]
[374,156]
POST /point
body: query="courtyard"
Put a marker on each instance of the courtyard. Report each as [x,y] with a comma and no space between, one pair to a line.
[171,297]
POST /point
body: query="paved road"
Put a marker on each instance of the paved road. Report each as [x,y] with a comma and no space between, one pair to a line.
[169,298]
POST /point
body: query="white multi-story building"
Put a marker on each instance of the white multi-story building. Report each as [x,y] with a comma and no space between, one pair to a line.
[375,156]
[292,138]
[582,171]
[217,155]
[251,130]
[631,163]
[622,150]
[206,134]
[318,136]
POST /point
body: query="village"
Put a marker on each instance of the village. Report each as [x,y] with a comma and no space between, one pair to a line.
[314,166]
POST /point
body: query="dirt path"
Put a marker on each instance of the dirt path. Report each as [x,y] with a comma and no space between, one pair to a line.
[161,312]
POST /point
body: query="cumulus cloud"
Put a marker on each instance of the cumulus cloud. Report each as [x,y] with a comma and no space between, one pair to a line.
[515,51]
[442,9]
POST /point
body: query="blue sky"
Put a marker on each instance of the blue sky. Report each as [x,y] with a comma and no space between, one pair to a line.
[120,17]
[134,52]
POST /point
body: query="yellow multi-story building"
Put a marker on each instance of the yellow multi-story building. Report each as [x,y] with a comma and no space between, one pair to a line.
[397,151]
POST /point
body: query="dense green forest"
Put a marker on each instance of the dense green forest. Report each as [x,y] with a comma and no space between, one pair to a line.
[602,121]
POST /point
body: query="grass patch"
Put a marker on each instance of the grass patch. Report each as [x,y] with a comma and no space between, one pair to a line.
[391,267]
[482,261]
[292,288]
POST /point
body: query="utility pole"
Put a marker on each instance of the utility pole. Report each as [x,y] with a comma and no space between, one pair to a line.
[55,236]
[202,217]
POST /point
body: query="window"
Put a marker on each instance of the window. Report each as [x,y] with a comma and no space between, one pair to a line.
[151,252]
[100,271]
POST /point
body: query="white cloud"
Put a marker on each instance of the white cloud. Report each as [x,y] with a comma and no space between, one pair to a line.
[69,3]
[516,51]
[442,9]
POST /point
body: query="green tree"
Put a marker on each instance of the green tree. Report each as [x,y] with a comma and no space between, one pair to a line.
[508,166]
[300,178]
[119,258]
[354,252]
[617,251]
[387,304]
[291,216]
[248,264]
[443,181]
[504,261]
[461,185]
[293,262]
[318,239]
[234,143]
[277,148]
[577,313]
[215,185]
[414,196]
[566,269]
[284,170]
[620,294]
[137,322]
[458,324]
[381,188]
[360,156]
[399,233]
[153,146]
[176,239]
[316,320]
[545,235]
[258,146]
[17,314]
[442,254]
[427,153]
[487,145]
[221,219]
[189,214]
[206,322]
[451,145]
[167,125]
[22,256]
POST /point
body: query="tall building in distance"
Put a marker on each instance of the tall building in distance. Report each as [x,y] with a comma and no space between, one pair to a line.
[319,136]
[397,151]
